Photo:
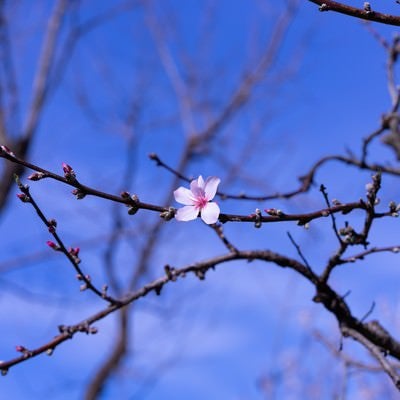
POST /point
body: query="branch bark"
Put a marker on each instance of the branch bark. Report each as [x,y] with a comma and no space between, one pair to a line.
[366,14]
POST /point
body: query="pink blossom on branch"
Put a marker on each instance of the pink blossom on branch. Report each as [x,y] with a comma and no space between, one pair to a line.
[198,200]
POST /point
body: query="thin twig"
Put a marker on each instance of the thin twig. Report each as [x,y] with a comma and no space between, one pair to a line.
[298,249]
[70,255]
[333,219]
[218,229]
[368,313]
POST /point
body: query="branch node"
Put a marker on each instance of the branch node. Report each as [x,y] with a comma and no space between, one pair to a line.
[169,214]
[133,206]
[367,7]
[37,176]
[323,7]
[158,289]
[257,218]
[170,272]
[79,194]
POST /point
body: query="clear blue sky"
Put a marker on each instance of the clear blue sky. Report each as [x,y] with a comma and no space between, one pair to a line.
[199,340]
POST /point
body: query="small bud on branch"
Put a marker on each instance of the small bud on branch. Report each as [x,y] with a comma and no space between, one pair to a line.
[37,176]
[69,173]
[7,151]
[53,245]
[79,194]
[23,197]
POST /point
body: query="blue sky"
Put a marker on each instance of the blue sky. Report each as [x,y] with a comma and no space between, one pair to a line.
[211,339]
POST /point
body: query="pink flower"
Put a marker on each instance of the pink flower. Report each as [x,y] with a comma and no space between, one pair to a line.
[197,200]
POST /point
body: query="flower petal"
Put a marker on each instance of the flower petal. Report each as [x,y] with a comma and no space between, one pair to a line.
[200,182]
[197,187]
[194,185]
[184,196]
[186,213]
[211,187]
[210,213]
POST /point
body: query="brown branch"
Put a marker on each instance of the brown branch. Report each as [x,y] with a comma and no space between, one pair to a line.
[198,140]
[22,145]
[219,230]
[366,14]
[244,90]
[199,269]
[71,255]
[306,180]
[40,84]
[6,61]
[390,121]
[180,87]
[134,204]
[322,189]
[80,30]
[96,386]
[375,351]
[351,237]
[366,333]
[82,190]
[362,255]
[349,361]
[298,249]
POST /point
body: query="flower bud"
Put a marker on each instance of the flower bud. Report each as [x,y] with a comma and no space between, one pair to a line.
[23,197]
[78,194]
[271,211]
[168,215]
[52,245]
[67,168]
[36,176]
[133,210]
[257,218]
[74,251]
[6,150]
[69,173]
[83,287]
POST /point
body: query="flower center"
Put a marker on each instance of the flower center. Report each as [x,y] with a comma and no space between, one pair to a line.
[200,202]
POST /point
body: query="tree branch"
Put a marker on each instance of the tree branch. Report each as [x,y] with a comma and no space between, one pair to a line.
[366,14]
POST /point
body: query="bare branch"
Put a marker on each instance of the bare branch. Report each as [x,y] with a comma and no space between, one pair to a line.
[42,76]
[41,79]
[365,13]
[299,252]
[96,386]
[375,351]
[346,358]
[134,204]
[199,269]
[71,254]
